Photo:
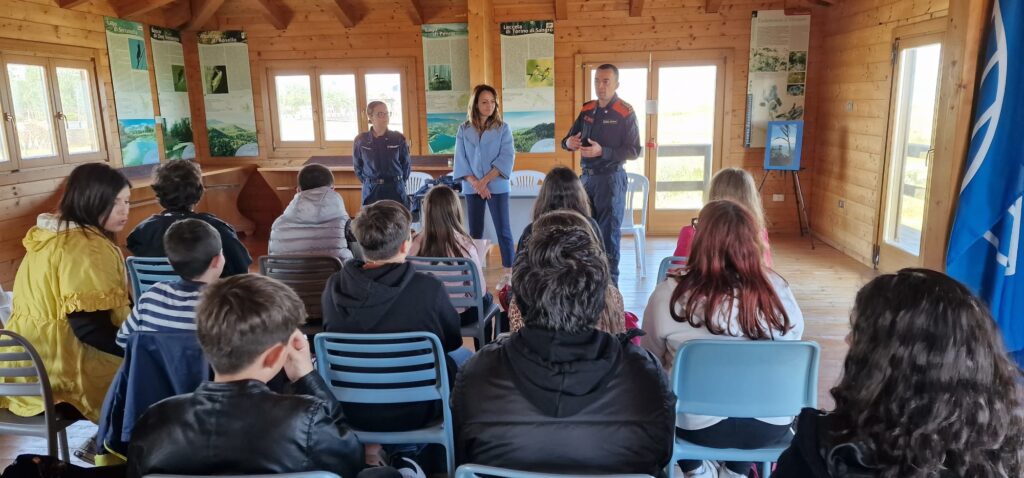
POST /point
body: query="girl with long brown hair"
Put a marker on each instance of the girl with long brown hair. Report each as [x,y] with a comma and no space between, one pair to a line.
[443,235]
[484,156]
[725,292]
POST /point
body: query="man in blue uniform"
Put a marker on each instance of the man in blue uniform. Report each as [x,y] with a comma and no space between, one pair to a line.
[380,158]
[606,134]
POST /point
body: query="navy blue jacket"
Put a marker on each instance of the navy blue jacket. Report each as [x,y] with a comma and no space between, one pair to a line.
[384,157]
[613,127]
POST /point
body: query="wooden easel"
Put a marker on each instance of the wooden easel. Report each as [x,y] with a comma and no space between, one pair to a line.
[801,207]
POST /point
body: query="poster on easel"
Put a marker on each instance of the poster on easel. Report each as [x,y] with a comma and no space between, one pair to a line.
[172,93]
[133,96]
[777,78]
[528,84]
[446,76]
[227,93]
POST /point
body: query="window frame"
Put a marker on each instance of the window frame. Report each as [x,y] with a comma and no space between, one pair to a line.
[50,57]
[404,67]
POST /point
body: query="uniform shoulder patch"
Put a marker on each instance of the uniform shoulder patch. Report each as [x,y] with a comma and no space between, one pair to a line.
[590,105]
[622,108]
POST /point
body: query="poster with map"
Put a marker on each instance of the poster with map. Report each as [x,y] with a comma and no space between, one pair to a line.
[446,76]
[528,84]
[227,93]
[777,79]
[133,96]
[172,93]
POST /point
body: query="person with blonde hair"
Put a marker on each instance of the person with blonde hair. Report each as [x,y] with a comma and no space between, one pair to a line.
[736,185]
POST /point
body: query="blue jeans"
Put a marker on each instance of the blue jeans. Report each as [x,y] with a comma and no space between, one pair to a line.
[498,205]
[607,194]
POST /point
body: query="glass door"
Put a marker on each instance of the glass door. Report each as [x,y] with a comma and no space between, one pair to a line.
[909,152]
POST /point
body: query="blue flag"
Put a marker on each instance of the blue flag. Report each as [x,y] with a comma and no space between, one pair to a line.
[985,247]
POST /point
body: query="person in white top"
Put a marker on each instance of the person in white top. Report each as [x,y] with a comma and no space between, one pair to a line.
[444,235]
[725,292]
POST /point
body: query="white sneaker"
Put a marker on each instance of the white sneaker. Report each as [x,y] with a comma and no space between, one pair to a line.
[708,469]
[410,469]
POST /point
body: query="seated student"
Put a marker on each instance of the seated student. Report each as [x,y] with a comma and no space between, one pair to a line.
[314,222]
[726,292]
[735,185]
[248,329]
[385,294]
[194,251]
[179,186]
[927,390]
[443,235]
[560,396]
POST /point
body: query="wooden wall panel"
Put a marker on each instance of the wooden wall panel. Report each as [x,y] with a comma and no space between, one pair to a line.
[852,115]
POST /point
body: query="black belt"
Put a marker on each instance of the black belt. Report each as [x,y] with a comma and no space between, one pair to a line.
[602,170]
[395,179]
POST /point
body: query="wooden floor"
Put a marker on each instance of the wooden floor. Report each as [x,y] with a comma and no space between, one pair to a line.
[823,280]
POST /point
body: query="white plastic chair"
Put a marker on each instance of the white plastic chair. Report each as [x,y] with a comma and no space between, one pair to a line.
[637,184]
[526,181]
[416,181]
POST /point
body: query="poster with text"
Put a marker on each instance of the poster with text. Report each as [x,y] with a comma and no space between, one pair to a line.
[446,76]
[133,98]
[227,93]
[777,72]
[528,84]
[172,93]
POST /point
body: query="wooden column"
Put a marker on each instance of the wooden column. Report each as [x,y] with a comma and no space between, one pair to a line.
[481,47]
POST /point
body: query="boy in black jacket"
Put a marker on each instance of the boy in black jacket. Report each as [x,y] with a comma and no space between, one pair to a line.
[385,294]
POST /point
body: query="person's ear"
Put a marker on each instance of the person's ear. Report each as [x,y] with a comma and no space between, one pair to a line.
[217,261]
[406,245]
[274,357]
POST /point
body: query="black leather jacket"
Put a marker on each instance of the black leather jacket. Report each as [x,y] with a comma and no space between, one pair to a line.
[242,428]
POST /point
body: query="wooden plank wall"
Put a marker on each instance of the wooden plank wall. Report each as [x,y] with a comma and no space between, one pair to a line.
[27,193]
[853,114]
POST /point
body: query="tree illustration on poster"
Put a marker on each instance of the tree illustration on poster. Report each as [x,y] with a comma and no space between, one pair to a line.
[227,93]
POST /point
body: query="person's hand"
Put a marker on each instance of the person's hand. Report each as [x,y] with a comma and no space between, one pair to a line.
[299,362]
[482,190]
[575,141]
[592,151]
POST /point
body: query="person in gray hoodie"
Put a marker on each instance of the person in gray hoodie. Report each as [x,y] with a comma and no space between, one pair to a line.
[314,222]
[385,294]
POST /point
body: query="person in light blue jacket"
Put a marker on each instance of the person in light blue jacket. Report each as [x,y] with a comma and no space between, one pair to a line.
[484,156]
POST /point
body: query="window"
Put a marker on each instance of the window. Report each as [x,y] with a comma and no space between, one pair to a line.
[323,106]
[50,112]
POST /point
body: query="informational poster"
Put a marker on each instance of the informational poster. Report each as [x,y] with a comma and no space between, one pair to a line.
[172,93]
[227,93]
[133,96]
[446,75]
[778,72]
[528,84]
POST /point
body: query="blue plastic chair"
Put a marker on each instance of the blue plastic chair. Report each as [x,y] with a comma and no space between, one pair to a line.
[299,474]
[476,471]
[764,379]
[669,263]
[462,281]
[338,353]
[146,271]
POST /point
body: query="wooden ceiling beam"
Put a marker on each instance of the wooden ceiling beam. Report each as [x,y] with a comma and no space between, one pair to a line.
[561,9]
[277,13]
[70,3]
[712,6]
[178,14]
[345,13]
[132,9]
[636,8]
[202,12]
[414,10]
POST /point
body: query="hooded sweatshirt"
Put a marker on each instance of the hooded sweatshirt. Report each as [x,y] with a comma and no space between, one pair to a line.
[313,223]
[549,401]
[389,299]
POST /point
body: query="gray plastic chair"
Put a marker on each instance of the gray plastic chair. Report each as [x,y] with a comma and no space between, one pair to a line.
[462,281]
[670,263]
[13,365]
[307,275]
[477,471]
[298,474]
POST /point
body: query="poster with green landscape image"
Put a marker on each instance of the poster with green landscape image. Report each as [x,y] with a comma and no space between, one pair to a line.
[528,84]
[133,98]
[227,93]
[446,76]
[172,93]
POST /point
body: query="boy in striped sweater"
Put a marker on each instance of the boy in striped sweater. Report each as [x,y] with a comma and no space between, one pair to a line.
[194,250]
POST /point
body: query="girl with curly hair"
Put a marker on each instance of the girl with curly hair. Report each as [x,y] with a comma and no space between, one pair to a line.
[927,390]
